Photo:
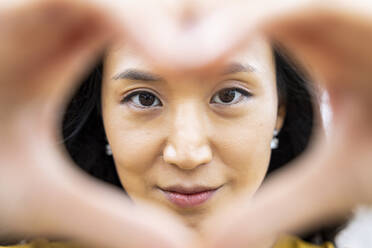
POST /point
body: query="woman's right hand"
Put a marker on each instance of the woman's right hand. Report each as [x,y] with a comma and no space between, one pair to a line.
[46,47]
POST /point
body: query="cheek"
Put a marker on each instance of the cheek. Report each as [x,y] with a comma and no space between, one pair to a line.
[134,141]
[135,147]
[134,150]
[244,147]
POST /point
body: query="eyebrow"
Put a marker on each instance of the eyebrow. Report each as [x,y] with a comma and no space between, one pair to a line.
[237,67]
[134,74]
[139,75]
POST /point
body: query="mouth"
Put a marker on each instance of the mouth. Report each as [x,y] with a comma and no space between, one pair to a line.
[188,196]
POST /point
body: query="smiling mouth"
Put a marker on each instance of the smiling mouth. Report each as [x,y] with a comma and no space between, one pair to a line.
[188,197]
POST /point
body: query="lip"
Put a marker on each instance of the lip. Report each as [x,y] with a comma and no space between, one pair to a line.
[188,196]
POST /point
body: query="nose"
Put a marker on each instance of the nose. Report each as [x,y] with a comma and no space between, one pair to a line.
[187,145]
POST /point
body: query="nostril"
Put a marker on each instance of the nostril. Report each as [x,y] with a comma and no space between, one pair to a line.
[187,159]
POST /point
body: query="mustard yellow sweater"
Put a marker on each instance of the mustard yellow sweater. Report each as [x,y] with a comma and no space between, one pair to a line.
[284,242]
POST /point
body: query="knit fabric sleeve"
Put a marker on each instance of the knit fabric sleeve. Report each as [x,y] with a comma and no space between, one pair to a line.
[283,242]
[44,243]
[294,242]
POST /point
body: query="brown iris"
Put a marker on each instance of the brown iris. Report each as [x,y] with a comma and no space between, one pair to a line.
[227,95]
[146,99]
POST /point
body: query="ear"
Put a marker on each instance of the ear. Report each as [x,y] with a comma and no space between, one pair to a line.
[280,117]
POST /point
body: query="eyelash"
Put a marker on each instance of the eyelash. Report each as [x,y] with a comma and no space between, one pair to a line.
[243,93]
[133,98]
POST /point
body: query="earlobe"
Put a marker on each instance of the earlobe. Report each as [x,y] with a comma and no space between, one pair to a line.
[280,117]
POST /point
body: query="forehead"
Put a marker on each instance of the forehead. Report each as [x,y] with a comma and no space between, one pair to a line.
[257,54]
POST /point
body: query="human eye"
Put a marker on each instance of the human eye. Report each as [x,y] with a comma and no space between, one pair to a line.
[142,99]
[230,96]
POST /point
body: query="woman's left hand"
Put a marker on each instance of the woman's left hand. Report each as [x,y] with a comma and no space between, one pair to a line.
[333,41]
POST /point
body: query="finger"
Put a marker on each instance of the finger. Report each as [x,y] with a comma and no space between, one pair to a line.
[300,198]
[218,34]
[55,29]
[54,184]
[228,28]
[106,218]
[54,32]
[63,202]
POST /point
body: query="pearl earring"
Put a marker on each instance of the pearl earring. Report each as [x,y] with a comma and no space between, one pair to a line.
[275,141]
[108,150]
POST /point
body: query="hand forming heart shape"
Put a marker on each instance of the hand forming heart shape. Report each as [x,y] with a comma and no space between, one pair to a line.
[63,37]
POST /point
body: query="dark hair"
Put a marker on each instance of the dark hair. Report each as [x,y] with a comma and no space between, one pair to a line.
[298,95]
[85,140]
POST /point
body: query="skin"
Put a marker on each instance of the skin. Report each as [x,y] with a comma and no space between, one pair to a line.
[74,205]
[190,137]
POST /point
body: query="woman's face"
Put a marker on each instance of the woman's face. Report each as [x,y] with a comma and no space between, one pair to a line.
[193,143]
